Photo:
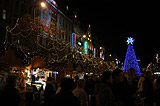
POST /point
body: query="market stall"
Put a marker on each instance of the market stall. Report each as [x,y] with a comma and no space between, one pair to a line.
[12,64]
[38,77]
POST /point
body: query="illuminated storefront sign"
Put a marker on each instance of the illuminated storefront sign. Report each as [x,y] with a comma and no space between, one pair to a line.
[100,54]
[94,52]
[48,18]
[85,47]
[79,43]
[73,40]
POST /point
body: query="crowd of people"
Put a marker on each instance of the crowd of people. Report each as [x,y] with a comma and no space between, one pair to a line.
[109,89]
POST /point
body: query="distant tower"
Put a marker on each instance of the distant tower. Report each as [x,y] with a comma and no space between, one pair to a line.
[89,33]
[131,60]
[89,39]
[157,58]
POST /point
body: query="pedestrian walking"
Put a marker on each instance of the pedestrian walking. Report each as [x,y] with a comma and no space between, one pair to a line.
[50,91]
[148,89]
[65,96]
[80,92]
[9,94]
[103,91]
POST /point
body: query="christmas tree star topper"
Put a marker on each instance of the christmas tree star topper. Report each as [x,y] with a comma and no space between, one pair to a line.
[130,40]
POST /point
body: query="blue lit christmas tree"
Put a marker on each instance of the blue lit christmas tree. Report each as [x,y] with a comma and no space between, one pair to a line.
[131,60]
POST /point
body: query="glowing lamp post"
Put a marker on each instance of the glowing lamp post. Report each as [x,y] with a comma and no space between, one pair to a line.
[84,36]
[43,4]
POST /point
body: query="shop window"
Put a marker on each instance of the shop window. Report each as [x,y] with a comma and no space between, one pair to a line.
[18,41]
[66,25]
[66,37]
[60,20]
[40,40]
[63,35]
[63,22]
[69,27]
[43,42]
[4,14]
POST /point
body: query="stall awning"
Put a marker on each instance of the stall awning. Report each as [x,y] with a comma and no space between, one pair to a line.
[38,62]
[69,66]
[79,68]
[10,59]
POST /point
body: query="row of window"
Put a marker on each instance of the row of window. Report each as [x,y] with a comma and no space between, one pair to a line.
[68,26]
[4,14]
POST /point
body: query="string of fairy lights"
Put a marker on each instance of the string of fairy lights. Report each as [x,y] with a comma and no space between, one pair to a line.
[55,58]
[53,51]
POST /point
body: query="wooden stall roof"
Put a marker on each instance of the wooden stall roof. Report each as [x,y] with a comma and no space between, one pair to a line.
[38,62]
[10,59]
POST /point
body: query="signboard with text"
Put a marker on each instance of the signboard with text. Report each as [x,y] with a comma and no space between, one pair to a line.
[48,18]
[73,40]
[85,47]
[94,52]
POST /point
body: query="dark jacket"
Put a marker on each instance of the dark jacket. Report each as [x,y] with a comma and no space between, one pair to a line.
[50,91]
[121,93]
[65,98]
[104,95]
[148,91]
[9,96]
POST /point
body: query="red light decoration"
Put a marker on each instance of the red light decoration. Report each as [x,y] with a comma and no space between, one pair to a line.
[75,16]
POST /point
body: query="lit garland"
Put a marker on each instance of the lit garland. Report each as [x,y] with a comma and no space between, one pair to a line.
[18,51]
[53,50]
[63,45]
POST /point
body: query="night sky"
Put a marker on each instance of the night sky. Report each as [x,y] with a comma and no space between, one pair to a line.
[112,22]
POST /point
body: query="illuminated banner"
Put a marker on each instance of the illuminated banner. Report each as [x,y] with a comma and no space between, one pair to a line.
[100,54]
[73,40]
[48,19]
[94,52]
[85,47]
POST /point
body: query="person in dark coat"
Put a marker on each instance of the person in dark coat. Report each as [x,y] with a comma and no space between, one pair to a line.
[65,97]
[103,90]
[9,95]
[119,89]
[157,92]
[148,89]
[50,91]
[80,93]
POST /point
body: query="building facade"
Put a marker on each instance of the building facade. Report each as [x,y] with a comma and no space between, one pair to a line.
[64,27]
[51,24]
[10,10]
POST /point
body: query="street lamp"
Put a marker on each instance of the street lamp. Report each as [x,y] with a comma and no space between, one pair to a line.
[84,36]
[43,4]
